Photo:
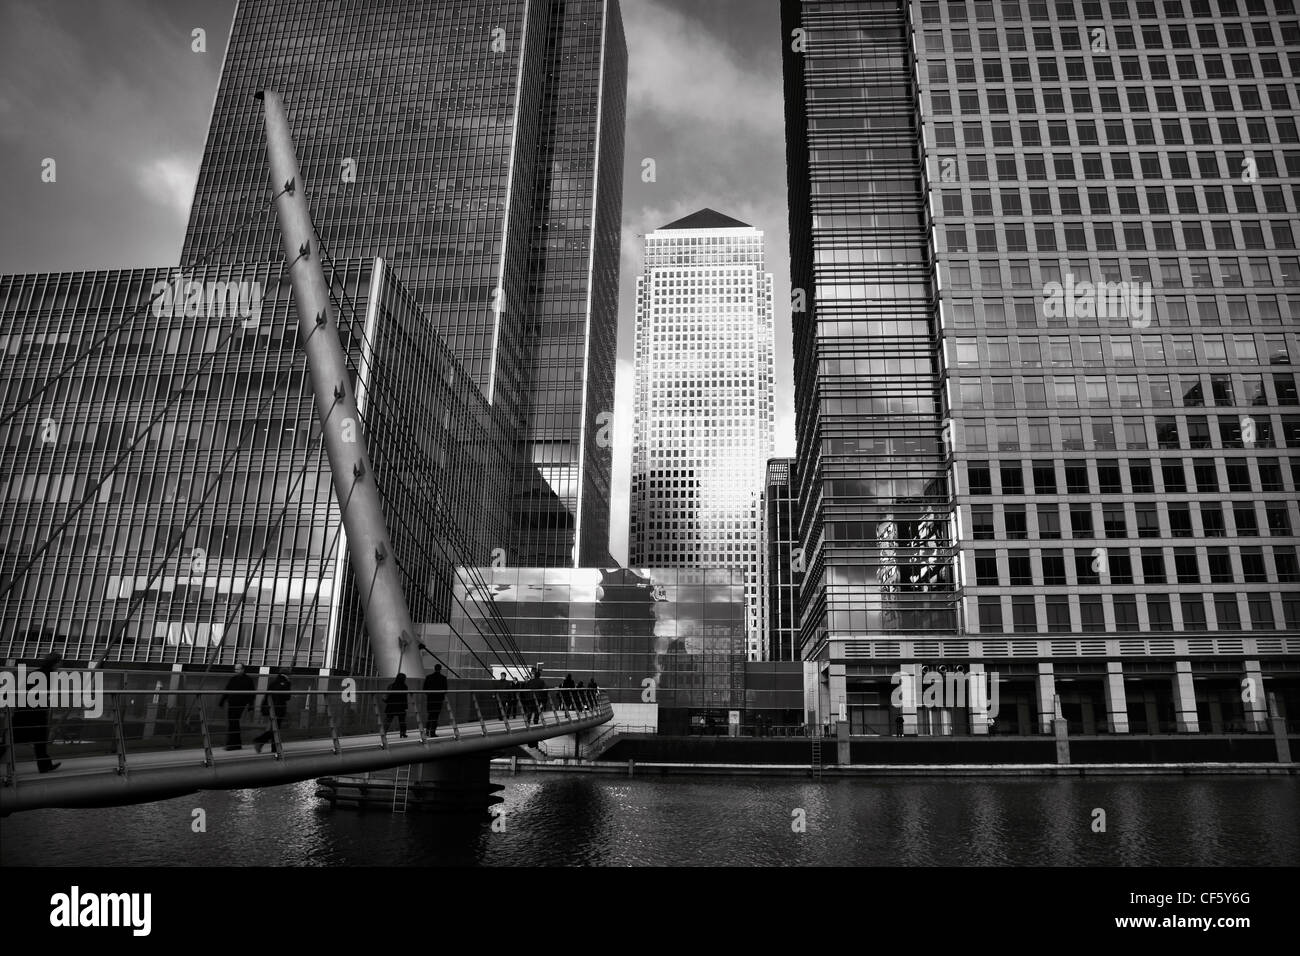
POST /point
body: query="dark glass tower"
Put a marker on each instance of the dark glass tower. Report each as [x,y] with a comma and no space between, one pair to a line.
[872,475]
[476,146]
[782,563]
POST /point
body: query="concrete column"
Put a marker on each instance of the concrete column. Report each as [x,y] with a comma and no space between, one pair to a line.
[910,692]
[1116,698]
[1046,696]
[837,693]
[1061,731]
[843,756]
[1255,700]
[1185,699]
[1279,731]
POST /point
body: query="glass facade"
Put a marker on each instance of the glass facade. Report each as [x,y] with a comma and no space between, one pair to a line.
[673,637]
[477,146]
[876,521]
[573,274]
[1109,201]
[184,455]
[782,564]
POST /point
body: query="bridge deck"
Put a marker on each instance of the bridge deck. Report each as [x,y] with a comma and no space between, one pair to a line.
[100,780]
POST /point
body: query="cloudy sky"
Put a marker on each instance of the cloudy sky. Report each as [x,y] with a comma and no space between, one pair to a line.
[113,92]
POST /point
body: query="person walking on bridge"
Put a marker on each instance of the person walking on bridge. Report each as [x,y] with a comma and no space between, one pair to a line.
[395,703]
[277,696]
[435,691]
[31,724]
[537,703]
[567,695]
[239,696]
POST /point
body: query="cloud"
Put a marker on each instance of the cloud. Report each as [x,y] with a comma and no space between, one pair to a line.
[169,181]
[686,74]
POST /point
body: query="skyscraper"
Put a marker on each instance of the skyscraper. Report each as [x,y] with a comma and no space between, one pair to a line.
[874,499]
[782,563]
[704,368]
[477,146]
[1070,291]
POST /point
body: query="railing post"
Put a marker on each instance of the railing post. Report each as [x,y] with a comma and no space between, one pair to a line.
[451,710]
[275,732]
[119,732]
[203,729]
[383,723]
[11,766]
[501,708]
[330,705]
[483,724]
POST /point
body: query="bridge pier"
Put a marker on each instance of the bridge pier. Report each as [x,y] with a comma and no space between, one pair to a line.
[449,785]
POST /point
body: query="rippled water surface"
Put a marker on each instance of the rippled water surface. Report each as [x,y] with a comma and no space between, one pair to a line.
[577,819]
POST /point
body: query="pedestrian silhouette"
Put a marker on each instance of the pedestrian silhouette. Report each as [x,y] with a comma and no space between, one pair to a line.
[435,689]
[538,697]
[31,723]
[239,695]
[277,697]
[567,694]
[395,704]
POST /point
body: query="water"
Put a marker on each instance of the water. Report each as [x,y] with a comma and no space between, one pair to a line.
[591,819]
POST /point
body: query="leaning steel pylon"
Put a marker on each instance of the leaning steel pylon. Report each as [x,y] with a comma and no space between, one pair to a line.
[392,635]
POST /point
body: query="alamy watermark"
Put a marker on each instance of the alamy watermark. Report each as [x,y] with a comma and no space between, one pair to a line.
[58,690]
[191,299]
[924,686]
[1113,300]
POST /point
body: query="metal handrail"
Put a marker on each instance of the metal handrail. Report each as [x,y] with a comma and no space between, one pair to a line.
[142,720]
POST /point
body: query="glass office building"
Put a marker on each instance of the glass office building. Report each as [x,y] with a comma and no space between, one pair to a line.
[179,479]
[477,146]
[674,637]
[703,407]
[1104,203]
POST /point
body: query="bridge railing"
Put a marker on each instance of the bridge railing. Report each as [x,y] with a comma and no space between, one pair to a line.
[130,721]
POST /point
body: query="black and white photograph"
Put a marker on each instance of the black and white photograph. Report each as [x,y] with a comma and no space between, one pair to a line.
[858,436]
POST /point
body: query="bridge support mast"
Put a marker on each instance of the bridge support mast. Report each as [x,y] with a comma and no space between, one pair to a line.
[392,635]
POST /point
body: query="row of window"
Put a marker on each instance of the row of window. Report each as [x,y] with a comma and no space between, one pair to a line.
[1191,66]
[1088,612]
[1183,236]
[1014,11]
[1172,433]
[1068,434]
[1109,99]
[1125,392]
[1099,38]
[1105,476]
[1159,351]
[1111,565]
[1115,165]
[1066,201]
[1149,519]
[1195,271]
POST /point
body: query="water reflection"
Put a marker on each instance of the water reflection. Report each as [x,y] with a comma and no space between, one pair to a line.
[583,819]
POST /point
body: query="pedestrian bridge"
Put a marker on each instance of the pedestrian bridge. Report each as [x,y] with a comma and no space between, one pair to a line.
[155,743]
